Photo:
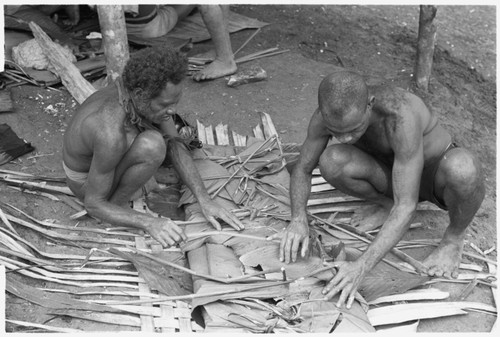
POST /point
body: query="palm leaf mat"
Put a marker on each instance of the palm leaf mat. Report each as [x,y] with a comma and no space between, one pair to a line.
[232,280]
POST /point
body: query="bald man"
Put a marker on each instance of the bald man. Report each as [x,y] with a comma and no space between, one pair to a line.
[392,151]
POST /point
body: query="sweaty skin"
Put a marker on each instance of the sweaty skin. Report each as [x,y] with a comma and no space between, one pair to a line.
[120,160]
[396,127]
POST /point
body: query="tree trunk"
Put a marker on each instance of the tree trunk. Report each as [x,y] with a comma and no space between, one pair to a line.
[70,76]
[114,39]
[425,46]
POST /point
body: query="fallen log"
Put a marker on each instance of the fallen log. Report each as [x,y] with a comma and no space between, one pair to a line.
[78,87]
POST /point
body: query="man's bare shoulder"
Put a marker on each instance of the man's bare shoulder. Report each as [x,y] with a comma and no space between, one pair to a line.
[317,126]
[392,100]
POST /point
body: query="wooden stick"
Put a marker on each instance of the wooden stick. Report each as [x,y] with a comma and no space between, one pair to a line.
[261,56]
[242,165]
[246,42]
[71,77]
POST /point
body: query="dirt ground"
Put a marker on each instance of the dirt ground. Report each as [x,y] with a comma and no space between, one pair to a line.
[377,41]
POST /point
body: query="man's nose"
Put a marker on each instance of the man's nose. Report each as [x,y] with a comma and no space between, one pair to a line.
[172,110]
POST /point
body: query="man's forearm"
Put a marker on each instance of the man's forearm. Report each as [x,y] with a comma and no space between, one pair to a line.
[300,188]
[185,167]
[390,234]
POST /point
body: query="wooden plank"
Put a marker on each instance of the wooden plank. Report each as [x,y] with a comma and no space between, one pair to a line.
[222,134]
[332,209]
[318,180]
[201,132]
[267,123]
[147,323]
[332,200]
[183,314]
[321,188]
[239,140]
[257,132]
[209,134]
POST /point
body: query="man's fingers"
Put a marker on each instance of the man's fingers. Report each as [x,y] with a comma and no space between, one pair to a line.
[288,248]
[350,301]
[232,221]
[305,247]
[295,249]
[346,289]
[215,223]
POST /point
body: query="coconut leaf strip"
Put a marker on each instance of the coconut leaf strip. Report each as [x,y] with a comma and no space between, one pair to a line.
[127,293]
[115,319]
[413,295]
[74,276]
[56,280]
[406,312]
[52,300]
[56,235]
[42,326]
[66,267]
[97,259]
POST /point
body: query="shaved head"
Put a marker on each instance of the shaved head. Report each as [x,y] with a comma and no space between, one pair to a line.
[342,94]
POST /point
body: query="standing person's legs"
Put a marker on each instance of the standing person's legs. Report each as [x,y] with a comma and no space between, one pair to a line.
[459,182]
[216,20]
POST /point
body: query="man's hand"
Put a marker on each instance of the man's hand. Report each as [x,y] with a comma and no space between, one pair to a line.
[213,211]
[296,234]
[345,282]
[165,231]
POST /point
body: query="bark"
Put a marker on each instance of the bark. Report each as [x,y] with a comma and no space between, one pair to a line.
[114,38]
[5,101]
[70,76]
[425,46]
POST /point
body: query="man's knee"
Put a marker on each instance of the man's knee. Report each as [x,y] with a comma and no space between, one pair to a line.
[462,171]
[334,160]
[150,145]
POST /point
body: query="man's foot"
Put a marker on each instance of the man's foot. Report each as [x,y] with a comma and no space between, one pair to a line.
[367,218]
[445,259]
[215,70]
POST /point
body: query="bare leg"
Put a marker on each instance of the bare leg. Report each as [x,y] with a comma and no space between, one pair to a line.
[138,166]
[358,174]
[183,11]
[215,18]
[459,182]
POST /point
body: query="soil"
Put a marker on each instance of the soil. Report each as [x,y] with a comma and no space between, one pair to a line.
[377,41]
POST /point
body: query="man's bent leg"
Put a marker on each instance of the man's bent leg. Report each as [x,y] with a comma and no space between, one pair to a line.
[215,18]
[358,174]
[138,166]
[459,182]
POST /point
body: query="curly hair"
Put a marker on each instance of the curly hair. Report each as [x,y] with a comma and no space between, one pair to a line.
[151,68]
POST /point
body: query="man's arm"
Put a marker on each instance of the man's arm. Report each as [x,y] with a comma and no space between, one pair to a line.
[108,152]
[297,232]
[404,132]
[185,167]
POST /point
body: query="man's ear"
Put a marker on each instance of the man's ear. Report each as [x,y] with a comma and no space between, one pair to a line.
[137,92]
[371,101]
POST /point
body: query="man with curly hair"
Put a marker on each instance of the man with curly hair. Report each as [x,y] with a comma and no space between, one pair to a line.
[115,142]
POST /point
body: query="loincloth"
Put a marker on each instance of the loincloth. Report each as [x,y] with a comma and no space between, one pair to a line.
[78,177]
